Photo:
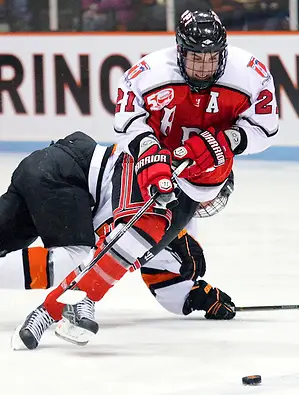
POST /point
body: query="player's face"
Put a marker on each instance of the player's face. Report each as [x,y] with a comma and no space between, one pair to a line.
[201,66]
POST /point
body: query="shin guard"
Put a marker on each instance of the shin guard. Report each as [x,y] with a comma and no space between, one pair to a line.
[53,307]
[95,283]
[102,276]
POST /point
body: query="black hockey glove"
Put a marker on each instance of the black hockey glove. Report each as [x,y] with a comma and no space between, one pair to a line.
[217,304]
[191,254]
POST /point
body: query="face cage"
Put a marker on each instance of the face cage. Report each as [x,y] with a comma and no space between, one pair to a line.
[208,209]
[197,85]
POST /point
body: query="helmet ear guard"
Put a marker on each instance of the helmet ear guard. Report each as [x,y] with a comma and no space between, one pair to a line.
[201,32]
[212,207]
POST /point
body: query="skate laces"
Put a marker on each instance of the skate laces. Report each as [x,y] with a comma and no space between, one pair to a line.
[38,321]
[85,309]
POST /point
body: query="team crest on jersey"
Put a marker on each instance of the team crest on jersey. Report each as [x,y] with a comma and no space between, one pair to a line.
[160,99]
[137,69]
[259,67]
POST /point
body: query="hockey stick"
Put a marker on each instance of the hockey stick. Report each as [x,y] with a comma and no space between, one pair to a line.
[71,296]
[269,308]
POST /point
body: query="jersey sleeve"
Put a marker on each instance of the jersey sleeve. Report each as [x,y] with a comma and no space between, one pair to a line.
[260,120]
[130,121]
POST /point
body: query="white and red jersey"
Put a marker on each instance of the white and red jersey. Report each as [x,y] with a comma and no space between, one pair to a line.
[153,97]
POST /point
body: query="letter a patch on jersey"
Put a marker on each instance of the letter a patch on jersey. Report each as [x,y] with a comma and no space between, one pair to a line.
[137,69]
[259,67]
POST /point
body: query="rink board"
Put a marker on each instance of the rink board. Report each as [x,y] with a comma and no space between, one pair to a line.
[52,85]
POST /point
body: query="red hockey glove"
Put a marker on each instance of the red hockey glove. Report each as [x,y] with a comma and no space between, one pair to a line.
[153,170]
[206,150]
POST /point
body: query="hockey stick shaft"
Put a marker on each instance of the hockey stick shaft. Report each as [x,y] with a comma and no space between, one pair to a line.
[119,234]
[269,308]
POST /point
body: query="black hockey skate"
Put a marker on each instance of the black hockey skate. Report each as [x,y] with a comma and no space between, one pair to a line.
[33,328]
[78,323]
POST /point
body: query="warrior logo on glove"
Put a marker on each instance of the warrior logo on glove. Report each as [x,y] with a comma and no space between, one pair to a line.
[212,143]
[148,160]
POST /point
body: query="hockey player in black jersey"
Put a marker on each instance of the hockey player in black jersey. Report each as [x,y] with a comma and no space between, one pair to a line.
[63,195]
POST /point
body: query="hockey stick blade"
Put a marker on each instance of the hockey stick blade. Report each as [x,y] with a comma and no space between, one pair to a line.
[73,296]
[268,308]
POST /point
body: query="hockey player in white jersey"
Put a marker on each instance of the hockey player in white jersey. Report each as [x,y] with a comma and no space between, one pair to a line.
[200,100]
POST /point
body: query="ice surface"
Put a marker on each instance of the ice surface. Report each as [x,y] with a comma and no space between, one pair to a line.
[252,253]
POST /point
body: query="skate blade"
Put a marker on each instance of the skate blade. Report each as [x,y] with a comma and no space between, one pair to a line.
[72,334]
[69,340]
[16,342]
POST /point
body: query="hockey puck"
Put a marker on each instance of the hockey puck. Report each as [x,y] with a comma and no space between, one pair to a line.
[252,380]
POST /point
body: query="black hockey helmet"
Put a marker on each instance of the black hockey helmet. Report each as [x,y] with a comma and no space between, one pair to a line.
[201,32]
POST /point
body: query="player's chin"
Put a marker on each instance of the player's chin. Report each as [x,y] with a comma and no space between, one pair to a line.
[202,77]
